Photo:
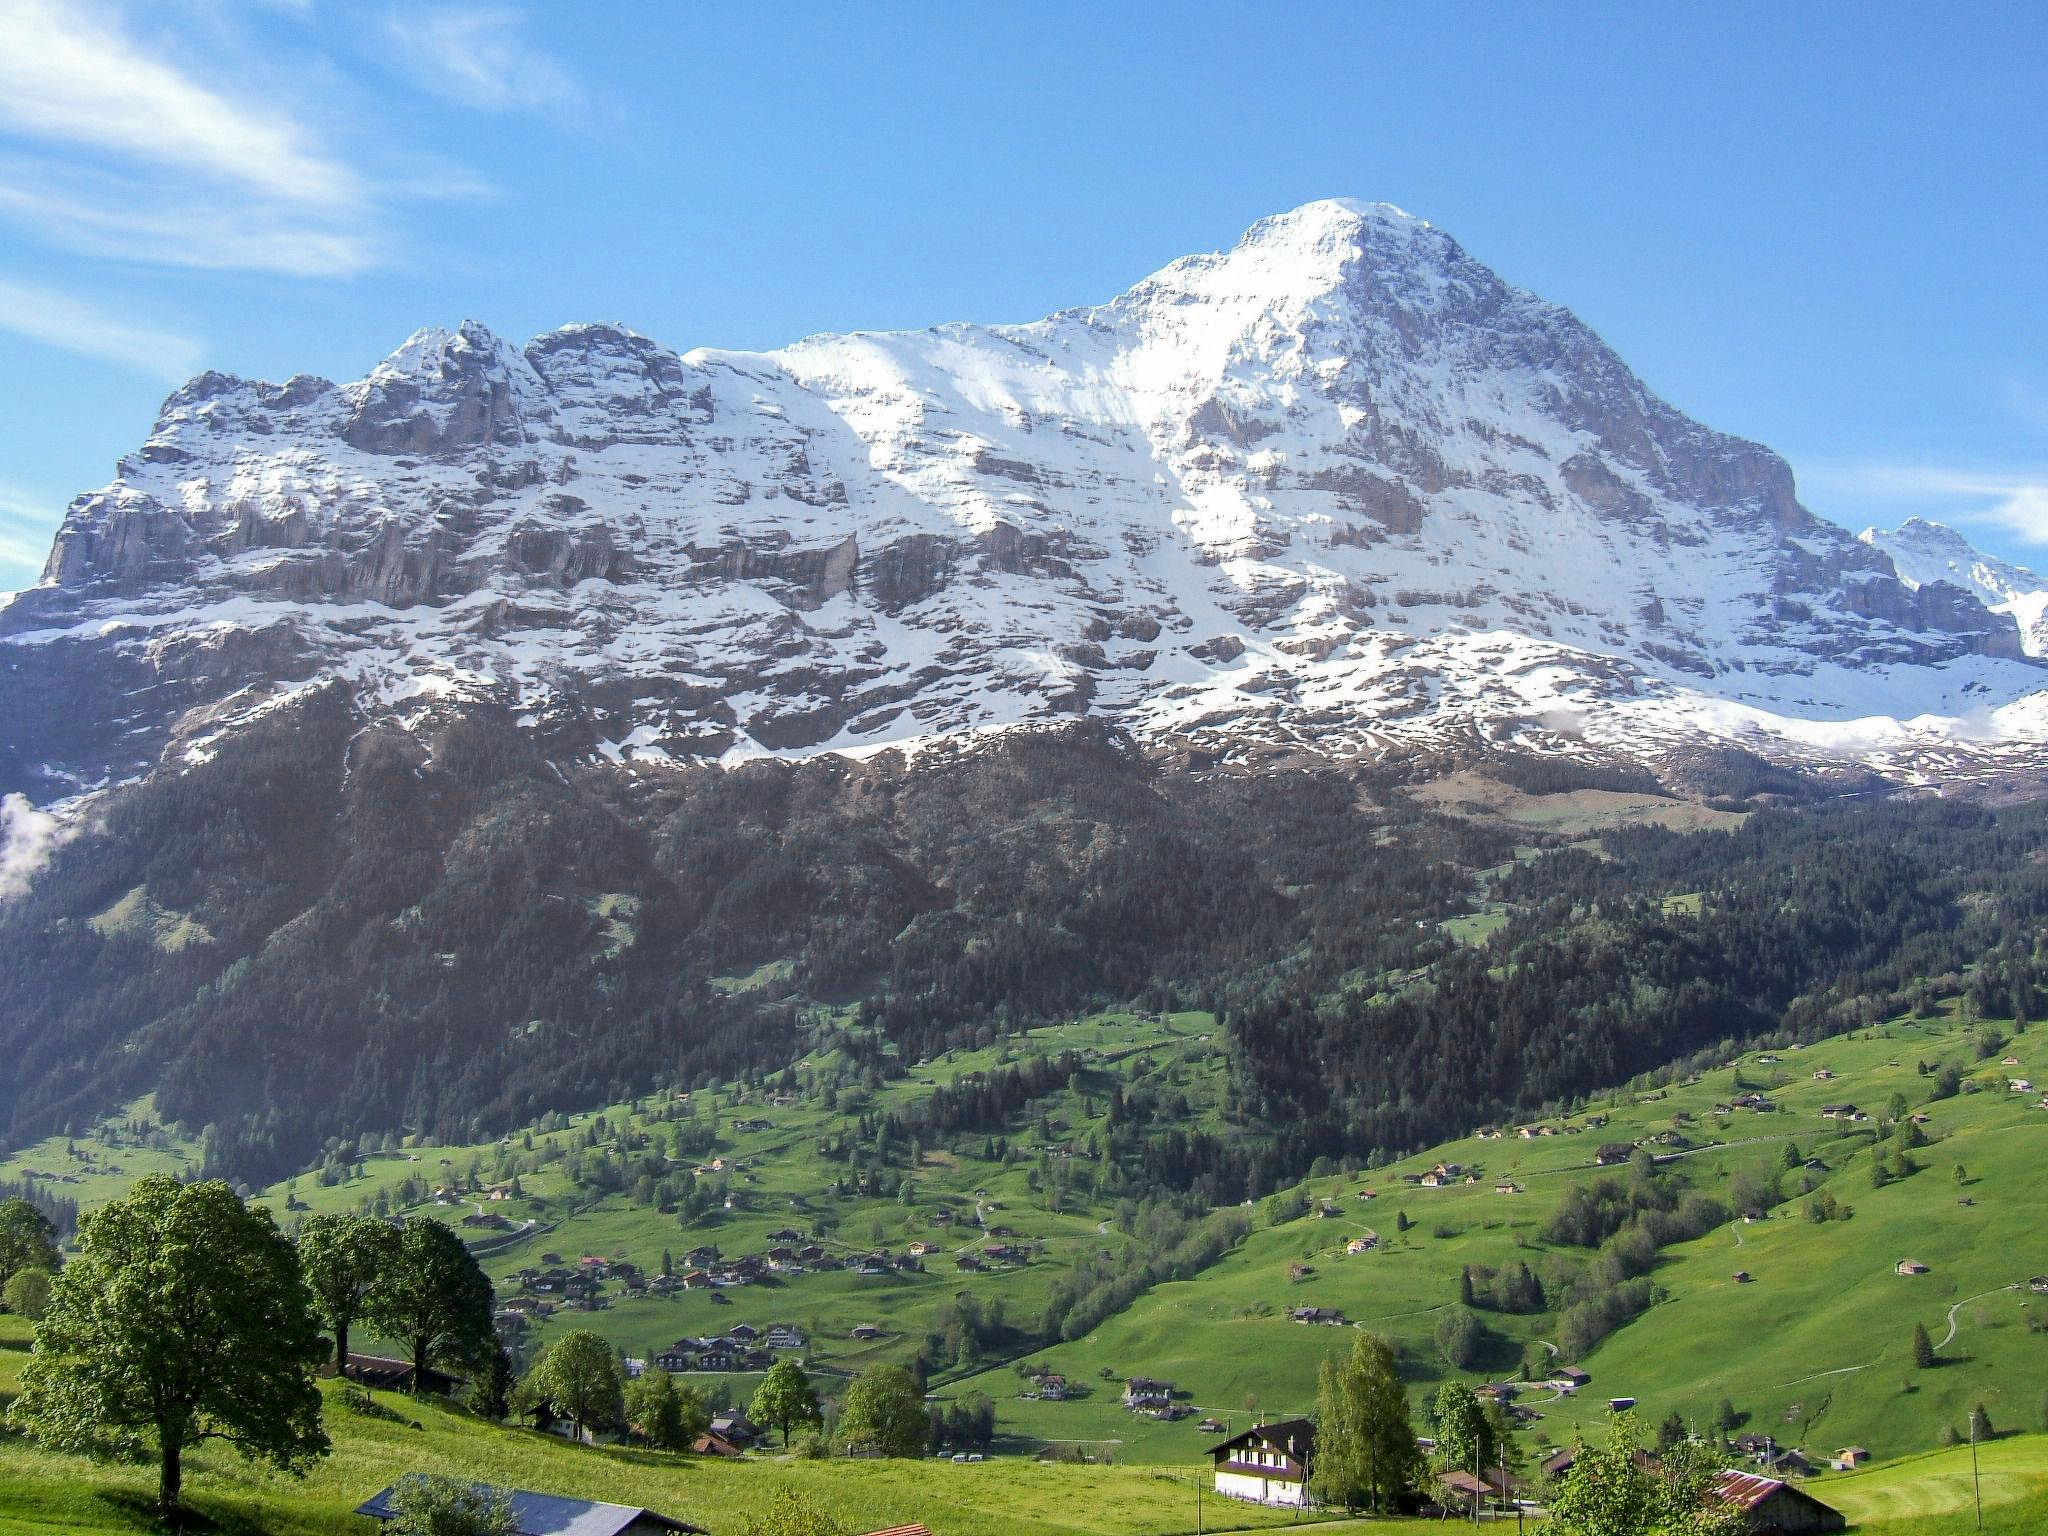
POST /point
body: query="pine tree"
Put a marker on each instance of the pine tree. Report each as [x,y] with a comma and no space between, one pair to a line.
[1923,1347]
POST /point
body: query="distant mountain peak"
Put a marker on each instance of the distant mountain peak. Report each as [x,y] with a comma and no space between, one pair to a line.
[1924,551]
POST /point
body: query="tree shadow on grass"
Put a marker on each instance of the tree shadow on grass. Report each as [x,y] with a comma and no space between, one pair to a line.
[138,1512]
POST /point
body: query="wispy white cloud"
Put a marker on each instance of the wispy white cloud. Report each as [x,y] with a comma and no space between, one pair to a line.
[126,218]
[29,839]
[59,320]
[479,56]
[26,525]
[136,158]
[2014,500]
[72,75]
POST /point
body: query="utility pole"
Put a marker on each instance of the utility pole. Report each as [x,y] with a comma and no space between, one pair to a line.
[1476,1483]
[1976,1486]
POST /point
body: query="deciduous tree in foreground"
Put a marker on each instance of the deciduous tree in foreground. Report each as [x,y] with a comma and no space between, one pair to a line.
[433,1295]
[182,1319]
[580,1378]
[1614,1490]
[1365,1445]
[883,1414]
[343,1256]
[786,1400]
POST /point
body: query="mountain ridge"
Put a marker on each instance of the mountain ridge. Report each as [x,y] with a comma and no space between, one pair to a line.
[1338,490]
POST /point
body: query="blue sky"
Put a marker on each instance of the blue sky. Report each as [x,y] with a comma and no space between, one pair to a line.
[1822,227]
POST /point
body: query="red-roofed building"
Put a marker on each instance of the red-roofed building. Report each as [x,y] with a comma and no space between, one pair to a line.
[1771,1507]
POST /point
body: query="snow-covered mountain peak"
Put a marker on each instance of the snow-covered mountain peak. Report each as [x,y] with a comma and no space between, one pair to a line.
[1335,488]
[1335,252]
[1923,551]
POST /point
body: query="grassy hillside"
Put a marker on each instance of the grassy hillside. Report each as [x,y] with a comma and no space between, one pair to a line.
[1814,1349]
[43,1493]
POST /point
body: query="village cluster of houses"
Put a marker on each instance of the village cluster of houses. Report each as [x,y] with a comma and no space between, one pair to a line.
[1154,1399]
[1537,1129]
[742,1347]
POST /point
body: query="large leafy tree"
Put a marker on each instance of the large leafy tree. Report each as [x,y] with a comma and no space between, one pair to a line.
[28,1240]
[1365,1443]
[786,1399]
[580,1378]
[434,1297]
[883,1412]
[1465,1439]
[182,1319]
[664,1412]
[342,1257]
[1615,1490]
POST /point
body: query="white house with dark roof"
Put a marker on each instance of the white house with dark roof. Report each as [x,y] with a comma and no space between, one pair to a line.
[1267,1464]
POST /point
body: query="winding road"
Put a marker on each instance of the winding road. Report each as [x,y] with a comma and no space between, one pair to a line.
[1954,1323]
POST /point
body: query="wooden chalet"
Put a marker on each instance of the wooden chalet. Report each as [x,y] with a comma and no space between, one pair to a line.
[1772,1507]
[1267,1464]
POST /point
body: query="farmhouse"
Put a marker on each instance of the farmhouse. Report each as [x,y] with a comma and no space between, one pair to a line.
[1571,1376]
[1328,1317]
[1849,1458]
[1911,1267]
[396,1375]
[1462,1488]
[543,1514]
[1143,1393]
[1771,1507]
[1612,1153]
[1269,1464]
[736,1428]
[1840,1112]
[1365,1242]
[1507,1187]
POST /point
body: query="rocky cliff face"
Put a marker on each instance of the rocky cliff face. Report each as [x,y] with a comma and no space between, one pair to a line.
[1338,488]
[1926,553]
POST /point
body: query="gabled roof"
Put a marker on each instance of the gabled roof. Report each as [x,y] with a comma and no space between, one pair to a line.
[546,1514]
[1746,1491]
[1281,1432]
